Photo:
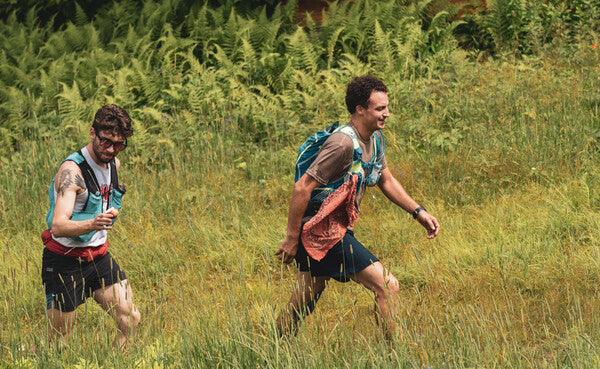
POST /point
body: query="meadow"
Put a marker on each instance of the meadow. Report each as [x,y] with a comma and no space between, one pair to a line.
[498,135]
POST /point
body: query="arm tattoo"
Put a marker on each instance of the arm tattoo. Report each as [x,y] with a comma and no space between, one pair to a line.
[64,181]
[79,181]
[67,178]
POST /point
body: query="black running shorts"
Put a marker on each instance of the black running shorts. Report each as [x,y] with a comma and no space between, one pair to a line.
[69,281]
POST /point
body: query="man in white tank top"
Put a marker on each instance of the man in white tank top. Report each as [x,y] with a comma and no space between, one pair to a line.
[84,200]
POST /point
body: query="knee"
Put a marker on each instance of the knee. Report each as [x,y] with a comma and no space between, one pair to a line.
[129,318]
[393,285]
[136,317]
[390,287]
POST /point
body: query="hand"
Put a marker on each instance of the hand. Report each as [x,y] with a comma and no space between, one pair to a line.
[429,222]
[288,249]
[102,221]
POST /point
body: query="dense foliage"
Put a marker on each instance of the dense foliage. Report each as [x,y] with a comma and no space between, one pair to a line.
[182,64]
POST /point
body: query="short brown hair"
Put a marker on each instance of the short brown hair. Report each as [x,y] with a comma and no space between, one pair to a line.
[113,118]
[360,89]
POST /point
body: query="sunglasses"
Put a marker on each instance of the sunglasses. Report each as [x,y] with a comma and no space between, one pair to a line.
[106,142]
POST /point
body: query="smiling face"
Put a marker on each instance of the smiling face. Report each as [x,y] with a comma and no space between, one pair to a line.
[373,117]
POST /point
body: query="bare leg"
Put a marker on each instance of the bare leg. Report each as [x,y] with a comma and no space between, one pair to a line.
[117,300]
[61,325]
[386,287]
[306,292]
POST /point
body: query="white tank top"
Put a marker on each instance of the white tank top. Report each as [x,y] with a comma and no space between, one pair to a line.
[103,177]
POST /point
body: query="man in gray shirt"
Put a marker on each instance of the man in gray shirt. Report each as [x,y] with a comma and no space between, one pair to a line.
[367,102]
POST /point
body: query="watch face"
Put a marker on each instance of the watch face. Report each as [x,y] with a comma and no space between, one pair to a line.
[417,211]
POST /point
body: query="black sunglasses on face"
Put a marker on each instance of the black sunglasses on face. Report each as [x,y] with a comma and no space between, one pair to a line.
[106,142]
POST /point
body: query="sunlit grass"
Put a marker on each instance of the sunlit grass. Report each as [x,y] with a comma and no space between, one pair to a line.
[511,281]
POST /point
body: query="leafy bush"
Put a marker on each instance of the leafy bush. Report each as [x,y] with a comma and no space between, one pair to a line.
[526,26]
[262,72]
[266,75]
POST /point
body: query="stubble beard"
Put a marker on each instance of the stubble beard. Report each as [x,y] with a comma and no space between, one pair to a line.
[99,155]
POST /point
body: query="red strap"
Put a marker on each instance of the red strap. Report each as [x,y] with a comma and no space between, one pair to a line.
[88,253]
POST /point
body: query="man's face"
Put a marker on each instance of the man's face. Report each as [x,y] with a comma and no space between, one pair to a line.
[107,144]
[377,112]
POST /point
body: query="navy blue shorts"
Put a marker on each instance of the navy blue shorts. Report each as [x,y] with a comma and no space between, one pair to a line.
[345,258]
[69,281]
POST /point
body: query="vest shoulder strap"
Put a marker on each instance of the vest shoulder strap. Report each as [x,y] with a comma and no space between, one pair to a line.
[114,177]
[89,177]
[378,145]
[349,131]
[378,142]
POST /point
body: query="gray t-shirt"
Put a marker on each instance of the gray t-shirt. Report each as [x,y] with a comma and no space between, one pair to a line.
[335,158]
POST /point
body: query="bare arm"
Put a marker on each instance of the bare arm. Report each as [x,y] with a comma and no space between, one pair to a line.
[298,204]
[394,191]
[68,184]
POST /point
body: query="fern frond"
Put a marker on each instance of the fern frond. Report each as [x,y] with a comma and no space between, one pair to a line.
[31,21]
[502,21]
[15,108]
[12,75]
[75,37]
[248,53]
[302,51]
[201,27]
[222,58]
[80,17]
[383,57]
[149,86]
[230,35]
[285,11]
[352,66]
[193,65]
[331,46]
[263,35]
[71,107]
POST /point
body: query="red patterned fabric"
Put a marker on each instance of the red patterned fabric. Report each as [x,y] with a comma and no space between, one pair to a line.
[329,225]
[87,253]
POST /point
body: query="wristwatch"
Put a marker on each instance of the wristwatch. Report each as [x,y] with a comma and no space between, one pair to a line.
[417,210]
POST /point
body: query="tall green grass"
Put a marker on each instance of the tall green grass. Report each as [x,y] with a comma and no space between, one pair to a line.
[505,153]
[510,282]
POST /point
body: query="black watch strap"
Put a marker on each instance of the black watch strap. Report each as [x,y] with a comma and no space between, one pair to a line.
[417,210]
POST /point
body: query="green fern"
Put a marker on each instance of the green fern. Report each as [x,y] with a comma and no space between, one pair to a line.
[70,103]
[263,35]
[199,26]
[248,53]
[382,61]
[80,17]
[331,43]
[229,37]
[351,66]
[302,52]
[504,22]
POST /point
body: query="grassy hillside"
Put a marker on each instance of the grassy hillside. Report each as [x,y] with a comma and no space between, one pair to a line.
[501,144]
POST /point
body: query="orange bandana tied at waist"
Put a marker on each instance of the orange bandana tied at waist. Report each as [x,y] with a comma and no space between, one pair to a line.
[329,225]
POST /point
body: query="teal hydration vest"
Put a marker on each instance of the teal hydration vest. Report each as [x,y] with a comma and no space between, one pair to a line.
[93,206]
[368,173]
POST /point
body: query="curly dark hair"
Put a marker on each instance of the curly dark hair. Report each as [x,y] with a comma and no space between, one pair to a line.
[360,89]
[113,118]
